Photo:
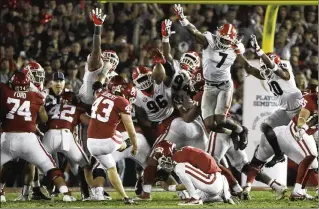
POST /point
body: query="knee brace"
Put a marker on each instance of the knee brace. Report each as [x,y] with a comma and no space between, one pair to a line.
[54,173]
[98,172]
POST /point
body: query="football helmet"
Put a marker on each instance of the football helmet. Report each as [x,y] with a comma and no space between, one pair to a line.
[20,82]
[109,55]
[142,77]
[118,86]
[164,151]
[68,97]
[226,36]
[190,61]
[36,74]
[266,72]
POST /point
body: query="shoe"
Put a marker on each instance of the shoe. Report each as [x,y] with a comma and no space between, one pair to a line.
[139,186]
[2,196]
[232,200]
[183,195]
[144,196]
[276,159]
[246,194]
[192,201]
[129,201]
[68,198]
[243,138]
[22,198]
[297,196]
[281,193]
[38,195]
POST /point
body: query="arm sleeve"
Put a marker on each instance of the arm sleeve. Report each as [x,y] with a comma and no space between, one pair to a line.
[123,106]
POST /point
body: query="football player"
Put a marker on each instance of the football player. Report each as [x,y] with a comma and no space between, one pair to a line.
[63,119]
[297,142]
[110,108]
[282,84]
[203,174]
[21,107]
[219,53]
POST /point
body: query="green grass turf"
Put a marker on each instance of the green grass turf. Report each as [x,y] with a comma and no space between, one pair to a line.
[260,199]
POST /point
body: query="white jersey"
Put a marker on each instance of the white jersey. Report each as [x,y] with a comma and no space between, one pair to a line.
[286,91]
[86,90]
[216,62]
[157,106]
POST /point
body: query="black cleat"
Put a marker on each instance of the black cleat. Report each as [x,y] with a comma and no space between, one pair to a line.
[276,159]
[38,195]
[243,138]
[129,201]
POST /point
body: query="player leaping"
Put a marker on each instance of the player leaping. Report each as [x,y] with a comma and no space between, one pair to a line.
[219,53]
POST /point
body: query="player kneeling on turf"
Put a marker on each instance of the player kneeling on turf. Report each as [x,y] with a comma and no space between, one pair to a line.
[203,174]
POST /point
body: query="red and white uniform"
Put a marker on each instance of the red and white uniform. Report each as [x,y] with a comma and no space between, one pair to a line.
[103,138]
[295,149]
[198,170]
[218,88]
[288,99]
[18,140]
[63,118]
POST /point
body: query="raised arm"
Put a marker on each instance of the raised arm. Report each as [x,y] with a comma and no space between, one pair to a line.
[251,70]
[166,33]
[200,38]
[94,60]
[274,63]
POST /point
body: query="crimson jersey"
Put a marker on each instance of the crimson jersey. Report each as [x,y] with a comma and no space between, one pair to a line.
[19,110]
[309,101]
[64,116]
[197,158]
[105,115]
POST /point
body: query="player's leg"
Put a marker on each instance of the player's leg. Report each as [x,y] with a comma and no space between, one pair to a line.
[277,118]
[28,173]
[38,156]
[219,144]
[311,174]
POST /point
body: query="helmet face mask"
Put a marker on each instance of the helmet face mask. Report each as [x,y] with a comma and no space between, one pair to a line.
[190,61]
[142,78]
[166,163]
[112,57]
[226,37]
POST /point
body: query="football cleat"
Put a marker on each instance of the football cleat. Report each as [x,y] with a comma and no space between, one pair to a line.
[308,196]
[192,201]
[129,201]
[280,193]
[68,198]
[297,196]
[144,196]
[245,194]
[38,195]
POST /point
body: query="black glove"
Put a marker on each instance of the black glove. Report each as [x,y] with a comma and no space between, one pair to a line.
[96,86]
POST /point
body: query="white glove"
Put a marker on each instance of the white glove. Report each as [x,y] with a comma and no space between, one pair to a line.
[166,30]
[239,48]
[180,15]
[300,133]
[97,17]
[255,45]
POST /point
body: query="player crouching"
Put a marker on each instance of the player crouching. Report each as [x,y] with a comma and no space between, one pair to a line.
[21,109]
[110,108]
[203,174]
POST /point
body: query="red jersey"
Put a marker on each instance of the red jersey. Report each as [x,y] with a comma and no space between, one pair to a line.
[198,79]
[197,158]
[105,115]
[64,116]
[309,101]
[19,109]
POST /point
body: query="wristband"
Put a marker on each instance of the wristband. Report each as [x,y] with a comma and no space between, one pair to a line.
[165,39]
[305,127]
[260,52]
[172,188]
[97,30]
[184,22]
[275,68]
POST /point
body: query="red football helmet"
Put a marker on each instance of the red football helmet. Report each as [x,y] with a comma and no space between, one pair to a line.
[20,82]
[226,36]
[112,57]
[266,72]
[164,151]
[36,74]
[198,80]
[68,97]
[190,61]
[142,77]
[118,86]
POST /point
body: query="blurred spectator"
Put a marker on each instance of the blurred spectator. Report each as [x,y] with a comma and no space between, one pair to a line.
[72,72]
[4,70]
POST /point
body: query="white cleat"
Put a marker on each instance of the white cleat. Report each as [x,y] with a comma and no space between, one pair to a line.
[22,198]
[191,201]
[308,196]
[2,198]
[68,198]
[280,193]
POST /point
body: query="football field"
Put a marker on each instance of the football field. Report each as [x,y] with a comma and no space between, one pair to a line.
[260,199]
